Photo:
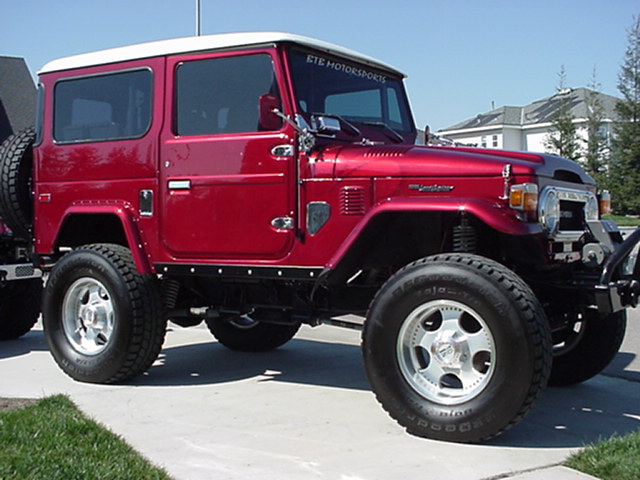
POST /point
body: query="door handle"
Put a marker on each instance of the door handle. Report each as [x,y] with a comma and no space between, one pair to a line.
[179,184]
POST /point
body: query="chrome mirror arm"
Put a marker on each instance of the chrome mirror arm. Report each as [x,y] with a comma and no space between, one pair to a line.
[306,140]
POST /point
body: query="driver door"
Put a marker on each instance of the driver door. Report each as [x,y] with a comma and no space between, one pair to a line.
[224,194]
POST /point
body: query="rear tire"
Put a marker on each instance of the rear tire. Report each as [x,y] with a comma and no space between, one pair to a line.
[456,347]
[103,320]
[248,334]
[16,198]
[19,307]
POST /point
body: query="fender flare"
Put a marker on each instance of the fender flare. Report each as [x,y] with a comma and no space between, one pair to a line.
[500,219]
[128,220]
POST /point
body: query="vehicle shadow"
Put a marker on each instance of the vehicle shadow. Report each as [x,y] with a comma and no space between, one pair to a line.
[32,341]
[578,415]
[299,361]
[562,417]
[621,367]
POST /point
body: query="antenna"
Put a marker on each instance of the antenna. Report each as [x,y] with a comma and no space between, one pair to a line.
[198,31]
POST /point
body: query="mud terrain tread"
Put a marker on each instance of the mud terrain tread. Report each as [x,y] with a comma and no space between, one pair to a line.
[148,333]
[537,323]
[16,161]
[148,325]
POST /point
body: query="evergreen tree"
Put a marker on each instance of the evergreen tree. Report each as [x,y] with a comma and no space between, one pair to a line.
[596,150]
[625,162]
[563,139]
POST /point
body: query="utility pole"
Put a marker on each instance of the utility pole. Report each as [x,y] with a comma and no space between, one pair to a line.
[198,32]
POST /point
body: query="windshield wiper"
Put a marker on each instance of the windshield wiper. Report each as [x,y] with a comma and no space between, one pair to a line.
[390,132]
[322,123]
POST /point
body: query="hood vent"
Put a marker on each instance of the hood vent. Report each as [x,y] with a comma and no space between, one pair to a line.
[567,176]
[386,151]
[352,201]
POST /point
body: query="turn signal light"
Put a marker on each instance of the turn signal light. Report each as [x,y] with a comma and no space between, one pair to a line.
[604,198]
[524,197]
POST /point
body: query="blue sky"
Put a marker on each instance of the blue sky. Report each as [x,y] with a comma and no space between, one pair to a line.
[460,55]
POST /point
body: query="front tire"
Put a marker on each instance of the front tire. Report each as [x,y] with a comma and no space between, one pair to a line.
[456,347]
[585,347]
[102,319]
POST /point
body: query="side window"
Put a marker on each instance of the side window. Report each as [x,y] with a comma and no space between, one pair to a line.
[221,95]
[39,115]
[103,107]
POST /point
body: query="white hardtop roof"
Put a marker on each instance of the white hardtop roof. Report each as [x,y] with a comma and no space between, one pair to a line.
[201,43]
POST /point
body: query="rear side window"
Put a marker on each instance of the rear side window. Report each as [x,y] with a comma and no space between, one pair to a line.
[39,115]
[221,95]
[103,107]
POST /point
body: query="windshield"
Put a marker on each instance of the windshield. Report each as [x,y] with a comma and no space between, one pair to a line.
[357,93]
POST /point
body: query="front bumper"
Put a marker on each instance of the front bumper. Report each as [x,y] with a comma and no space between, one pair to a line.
[617,290]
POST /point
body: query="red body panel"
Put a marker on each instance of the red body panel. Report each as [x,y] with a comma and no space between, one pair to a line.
[236,188]
[221,199]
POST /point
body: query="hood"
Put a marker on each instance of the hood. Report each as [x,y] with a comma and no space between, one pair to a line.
[421,161]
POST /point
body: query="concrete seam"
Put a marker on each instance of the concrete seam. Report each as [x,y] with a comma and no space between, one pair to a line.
[520,472]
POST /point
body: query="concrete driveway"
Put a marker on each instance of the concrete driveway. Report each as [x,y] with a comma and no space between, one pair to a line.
[306,411]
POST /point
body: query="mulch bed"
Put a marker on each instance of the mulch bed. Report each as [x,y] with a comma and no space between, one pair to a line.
[7,404]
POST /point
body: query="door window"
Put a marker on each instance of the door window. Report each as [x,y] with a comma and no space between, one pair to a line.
[221,95]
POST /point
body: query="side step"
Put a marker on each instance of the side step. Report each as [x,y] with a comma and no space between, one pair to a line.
[349,321]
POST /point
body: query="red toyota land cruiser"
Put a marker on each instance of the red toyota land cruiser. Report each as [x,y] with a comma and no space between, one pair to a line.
[260,181]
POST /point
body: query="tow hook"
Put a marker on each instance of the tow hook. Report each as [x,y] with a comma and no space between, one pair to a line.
[611,295]
[629,291]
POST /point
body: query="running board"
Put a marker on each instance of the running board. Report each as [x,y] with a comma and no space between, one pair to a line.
[342,323]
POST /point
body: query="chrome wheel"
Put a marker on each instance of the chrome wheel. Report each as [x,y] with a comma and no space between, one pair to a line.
[446,352]
[88,316]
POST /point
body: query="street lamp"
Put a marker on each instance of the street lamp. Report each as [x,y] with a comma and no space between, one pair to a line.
[198,32]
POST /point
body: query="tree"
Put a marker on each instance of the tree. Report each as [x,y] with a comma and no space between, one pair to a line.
[596,149]
[563,139]
[625,161]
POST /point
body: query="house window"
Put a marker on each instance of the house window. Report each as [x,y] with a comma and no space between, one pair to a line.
[494,141]
[484,142]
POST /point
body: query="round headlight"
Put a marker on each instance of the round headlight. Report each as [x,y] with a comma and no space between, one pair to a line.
[591,208]
[549,210]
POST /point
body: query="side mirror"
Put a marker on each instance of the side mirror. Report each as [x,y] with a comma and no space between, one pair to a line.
[327,125]
[267,103]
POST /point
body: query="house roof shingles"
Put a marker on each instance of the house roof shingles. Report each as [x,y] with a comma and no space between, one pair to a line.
[540,111]
[17,96]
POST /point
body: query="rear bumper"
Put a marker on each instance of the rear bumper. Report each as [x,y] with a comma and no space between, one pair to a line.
[20,271]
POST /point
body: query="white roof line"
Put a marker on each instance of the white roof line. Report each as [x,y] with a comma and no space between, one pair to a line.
[201,43]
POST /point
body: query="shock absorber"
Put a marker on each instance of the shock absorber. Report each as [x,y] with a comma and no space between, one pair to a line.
[464,236]
[170,290]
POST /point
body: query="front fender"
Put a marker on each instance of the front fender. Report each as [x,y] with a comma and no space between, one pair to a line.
[495,216]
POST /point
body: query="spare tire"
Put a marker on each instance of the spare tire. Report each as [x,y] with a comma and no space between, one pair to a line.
[16,197]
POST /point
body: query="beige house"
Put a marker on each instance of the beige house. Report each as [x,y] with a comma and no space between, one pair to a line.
[525,128]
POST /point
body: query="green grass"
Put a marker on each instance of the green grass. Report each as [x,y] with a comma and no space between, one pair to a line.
[615,459]
[53,440]
[623,221]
